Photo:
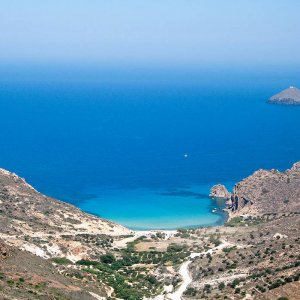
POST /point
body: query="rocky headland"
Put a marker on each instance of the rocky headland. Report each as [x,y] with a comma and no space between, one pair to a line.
[267,191]
[290,96]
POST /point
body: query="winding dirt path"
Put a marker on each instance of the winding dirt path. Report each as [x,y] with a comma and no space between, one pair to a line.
[187,279]
[185,274]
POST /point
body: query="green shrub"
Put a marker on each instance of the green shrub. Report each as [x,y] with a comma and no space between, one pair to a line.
[175,248]
[61,261]
[228,249]
[85,262]
[221,286]
[152,279]
[236,221]
[107,258]
[190,292]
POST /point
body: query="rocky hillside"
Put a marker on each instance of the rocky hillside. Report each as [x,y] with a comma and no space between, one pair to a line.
[261,260]
[24,276]
[267,192]
[40,237]
[29,219]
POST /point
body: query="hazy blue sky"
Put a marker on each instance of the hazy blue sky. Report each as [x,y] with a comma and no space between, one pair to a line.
[151,32]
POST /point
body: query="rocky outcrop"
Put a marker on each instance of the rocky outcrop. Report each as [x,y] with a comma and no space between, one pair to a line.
[290,96]
[267,191]
[219,191]
[4,250]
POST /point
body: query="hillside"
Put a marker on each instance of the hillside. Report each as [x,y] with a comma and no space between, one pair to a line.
[40,237]
[27,218]
[24,276]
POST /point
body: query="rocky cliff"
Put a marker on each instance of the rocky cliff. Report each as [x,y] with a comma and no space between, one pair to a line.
[267,191]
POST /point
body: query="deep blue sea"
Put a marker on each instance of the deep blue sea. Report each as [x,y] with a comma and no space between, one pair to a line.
[143,146]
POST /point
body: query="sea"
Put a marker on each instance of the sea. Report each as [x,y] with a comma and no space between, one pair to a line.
[142,146]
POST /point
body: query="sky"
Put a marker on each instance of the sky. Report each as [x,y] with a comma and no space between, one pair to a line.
[152,32]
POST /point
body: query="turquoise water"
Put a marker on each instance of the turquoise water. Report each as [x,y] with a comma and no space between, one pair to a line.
[142,209]
[113,142]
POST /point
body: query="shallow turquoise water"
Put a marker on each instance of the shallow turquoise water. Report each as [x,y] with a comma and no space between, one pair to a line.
[142,209]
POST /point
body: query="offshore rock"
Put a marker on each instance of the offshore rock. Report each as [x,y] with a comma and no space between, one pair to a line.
[219,191]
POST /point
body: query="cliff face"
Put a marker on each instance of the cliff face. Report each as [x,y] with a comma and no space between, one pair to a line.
[267,192]
[289,96]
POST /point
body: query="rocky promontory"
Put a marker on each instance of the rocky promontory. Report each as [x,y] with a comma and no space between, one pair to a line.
[267,191]
[219,191]
[290,96]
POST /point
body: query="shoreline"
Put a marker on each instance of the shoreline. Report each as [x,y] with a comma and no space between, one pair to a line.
[221,212]
[152,209]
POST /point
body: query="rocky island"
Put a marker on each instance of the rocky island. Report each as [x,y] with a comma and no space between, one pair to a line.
[52,250]
[290,96]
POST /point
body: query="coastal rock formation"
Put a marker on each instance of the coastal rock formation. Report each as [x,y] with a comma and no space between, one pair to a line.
[267,192]
[219,191]
[260,242]
[290,96]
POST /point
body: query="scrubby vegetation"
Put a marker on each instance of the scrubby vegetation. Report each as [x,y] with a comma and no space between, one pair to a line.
[128,273]
[61,261]
[264,259]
